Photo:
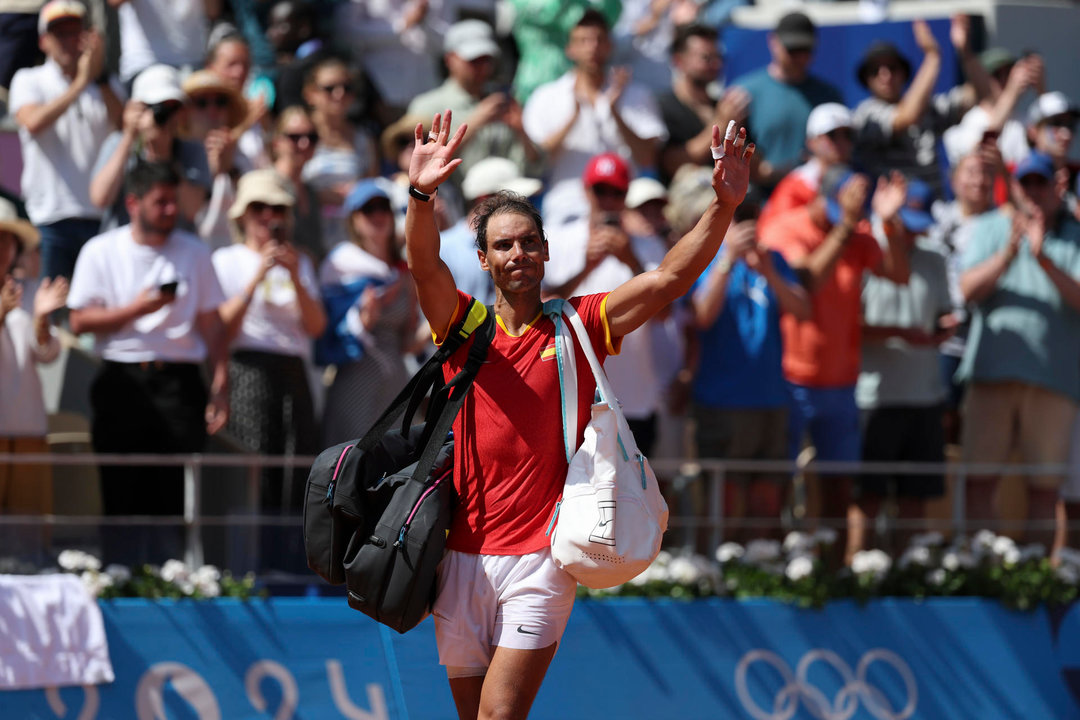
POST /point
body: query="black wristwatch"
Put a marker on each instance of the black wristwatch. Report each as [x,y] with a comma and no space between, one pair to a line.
[422,197]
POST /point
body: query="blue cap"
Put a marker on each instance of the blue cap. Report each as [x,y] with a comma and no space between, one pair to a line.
[363,192]
[1036,163]
[916,211]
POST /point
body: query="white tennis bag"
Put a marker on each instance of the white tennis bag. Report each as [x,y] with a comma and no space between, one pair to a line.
[611,517]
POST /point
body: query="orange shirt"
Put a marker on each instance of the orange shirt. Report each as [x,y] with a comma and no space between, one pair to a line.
[794,190]
[824,350]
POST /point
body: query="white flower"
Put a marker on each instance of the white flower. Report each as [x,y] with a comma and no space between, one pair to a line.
[1034,551]
[186,587]
[936,577]
[825,536]
[95,581]
[1002,545]
[77,560]
[174,571]
[798,542]
[1069,556]
[1068,574]
[915,555]
[663,558]
[729,551]
[927,539]
[983,540]
[953,560]
[119,573]
[206,573]
[683,571]
[799,567]
[759,552]
[871,562]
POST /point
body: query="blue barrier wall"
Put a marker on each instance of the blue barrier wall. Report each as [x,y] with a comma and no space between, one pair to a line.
[296,658]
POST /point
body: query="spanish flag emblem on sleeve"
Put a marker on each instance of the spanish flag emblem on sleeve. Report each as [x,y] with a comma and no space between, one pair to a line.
[548,353]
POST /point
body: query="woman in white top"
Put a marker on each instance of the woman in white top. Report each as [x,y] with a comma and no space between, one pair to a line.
[272,312]
[384,316]
[293,146]
[25,341]
[346,151]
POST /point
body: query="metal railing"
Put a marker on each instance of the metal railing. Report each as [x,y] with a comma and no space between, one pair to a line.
[714,473]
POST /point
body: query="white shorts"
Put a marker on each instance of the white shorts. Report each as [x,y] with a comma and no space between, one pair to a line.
[489,601]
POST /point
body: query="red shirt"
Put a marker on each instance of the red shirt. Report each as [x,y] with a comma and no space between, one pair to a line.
[509,458]
[824,351]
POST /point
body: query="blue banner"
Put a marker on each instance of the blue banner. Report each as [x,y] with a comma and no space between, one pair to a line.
[316,658]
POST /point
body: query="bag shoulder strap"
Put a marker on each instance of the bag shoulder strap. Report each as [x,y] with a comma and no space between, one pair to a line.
[567,368]
[607,395]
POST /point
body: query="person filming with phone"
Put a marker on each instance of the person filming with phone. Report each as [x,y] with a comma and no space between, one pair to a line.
[148,293]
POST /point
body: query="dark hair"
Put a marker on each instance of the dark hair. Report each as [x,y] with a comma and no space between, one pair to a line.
[683,33]
[142,178]
[593,18]
[501,203]
[224,33]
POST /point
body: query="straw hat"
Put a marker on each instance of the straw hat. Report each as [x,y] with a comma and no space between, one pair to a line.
[403,129]
[26,233]
[266,186]
[203,82]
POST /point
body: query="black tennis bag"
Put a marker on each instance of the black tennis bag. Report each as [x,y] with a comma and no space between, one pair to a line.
[377,510]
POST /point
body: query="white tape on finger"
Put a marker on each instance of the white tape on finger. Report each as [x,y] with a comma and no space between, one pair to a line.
[717,152]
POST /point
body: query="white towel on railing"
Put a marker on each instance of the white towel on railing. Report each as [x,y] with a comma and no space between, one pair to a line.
[51,633]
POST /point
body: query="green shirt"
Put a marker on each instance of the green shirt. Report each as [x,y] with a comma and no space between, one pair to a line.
[1024,331]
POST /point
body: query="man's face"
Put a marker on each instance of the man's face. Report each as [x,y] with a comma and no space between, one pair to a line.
[886,80]
[470,74]
[834,147]
[284,29]
[606,199]
[515,254]
[1038,192]
[155,212]
[589,47]
[700,61]
[63,42]
[1054,135]
[973,182]
[795,62]
[648,219]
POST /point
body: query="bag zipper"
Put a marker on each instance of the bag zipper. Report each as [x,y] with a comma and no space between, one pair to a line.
[337,469]
[408,521]
[554,517]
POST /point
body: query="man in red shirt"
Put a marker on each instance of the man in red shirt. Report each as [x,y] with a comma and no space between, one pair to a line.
[828,244]
[502,603]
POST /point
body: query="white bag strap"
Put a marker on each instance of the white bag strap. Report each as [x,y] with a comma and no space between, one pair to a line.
[567,366]
[607,395]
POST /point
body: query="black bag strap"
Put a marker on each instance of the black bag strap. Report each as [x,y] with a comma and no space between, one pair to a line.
[447,401]
[418,387]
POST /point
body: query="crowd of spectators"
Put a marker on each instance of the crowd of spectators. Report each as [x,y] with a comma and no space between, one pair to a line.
[227,208]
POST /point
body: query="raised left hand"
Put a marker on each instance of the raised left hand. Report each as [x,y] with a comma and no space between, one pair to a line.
[731,173]
[433,161]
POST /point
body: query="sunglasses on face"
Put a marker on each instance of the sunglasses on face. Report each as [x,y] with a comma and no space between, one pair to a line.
[164,111]
[376,206]
[1061,121]
[607,191]
[1033,182]
[840,134]
[210,101]
[259,208]
[333,88]
[297,138]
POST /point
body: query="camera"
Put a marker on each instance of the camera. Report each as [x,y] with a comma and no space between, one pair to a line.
[168,288]
[163,111]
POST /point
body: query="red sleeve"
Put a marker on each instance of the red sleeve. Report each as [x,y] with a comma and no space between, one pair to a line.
[462,303]
[593,312]
[868,250]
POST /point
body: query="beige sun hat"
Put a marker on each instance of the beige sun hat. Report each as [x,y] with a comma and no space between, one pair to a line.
[265,185]
[203,82]
[21,229]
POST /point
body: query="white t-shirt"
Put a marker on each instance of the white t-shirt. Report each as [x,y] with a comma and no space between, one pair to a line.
[272,322]
[172,32]
[112,269]
[59,161]
[548,110]
[22,402]
[634,373]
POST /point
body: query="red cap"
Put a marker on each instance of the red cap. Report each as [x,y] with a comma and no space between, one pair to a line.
[609,169]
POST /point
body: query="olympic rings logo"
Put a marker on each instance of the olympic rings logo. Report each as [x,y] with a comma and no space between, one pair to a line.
[855,687]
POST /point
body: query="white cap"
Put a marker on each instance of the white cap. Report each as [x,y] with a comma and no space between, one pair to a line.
[644,189]
[470,39]
[157,84]
[827,117]
[1048,105]
[493,174]
[56,10]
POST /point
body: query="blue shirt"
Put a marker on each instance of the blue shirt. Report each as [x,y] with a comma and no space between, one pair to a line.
[1024,331]
[741,352]
[457,248]
[778,114]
